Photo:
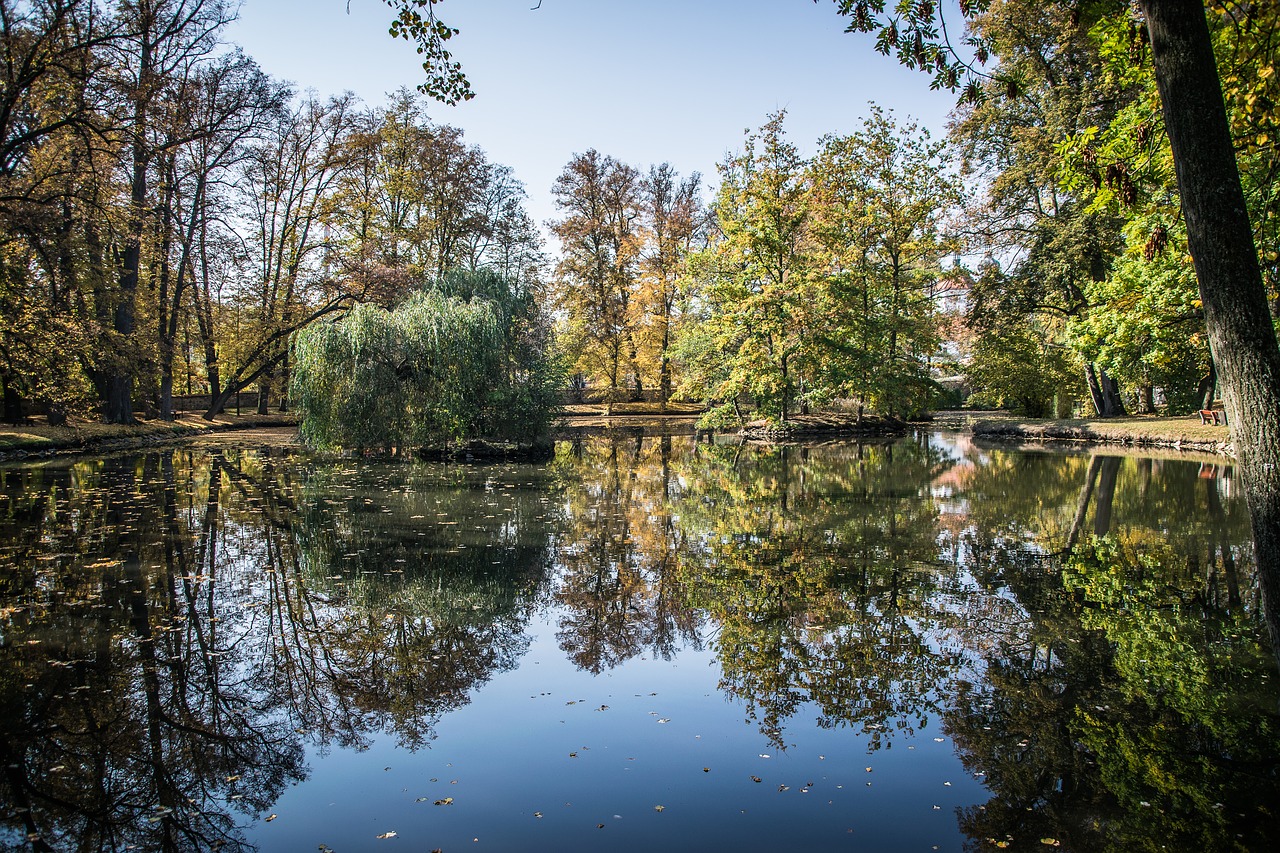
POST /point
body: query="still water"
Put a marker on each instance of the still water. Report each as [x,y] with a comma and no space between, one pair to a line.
[651,643]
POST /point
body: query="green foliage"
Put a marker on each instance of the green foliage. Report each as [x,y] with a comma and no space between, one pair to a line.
[467,358]
[1192,677]
[1146,327]
[1020,367]
[822,284]
[416,21]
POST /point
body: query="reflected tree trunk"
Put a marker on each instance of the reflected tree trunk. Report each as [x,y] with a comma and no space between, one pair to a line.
[1082,505]
[1106,495]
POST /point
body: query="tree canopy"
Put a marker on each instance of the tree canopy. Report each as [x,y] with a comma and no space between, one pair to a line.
[466,357]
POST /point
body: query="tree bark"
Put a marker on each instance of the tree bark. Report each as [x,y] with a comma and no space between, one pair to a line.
[1241,335]
[13,413]
[1208,387]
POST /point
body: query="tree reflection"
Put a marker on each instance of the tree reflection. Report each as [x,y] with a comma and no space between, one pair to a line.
[819,566]
[617,548]
[177,628]
[127,721]
[178,625]
[1128,703]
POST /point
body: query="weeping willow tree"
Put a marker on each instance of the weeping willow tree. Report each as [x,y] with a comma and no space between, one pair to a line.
[466,358]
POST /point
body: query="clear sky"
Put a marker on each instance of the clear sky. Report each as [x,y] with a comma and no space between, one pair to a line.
[645,81]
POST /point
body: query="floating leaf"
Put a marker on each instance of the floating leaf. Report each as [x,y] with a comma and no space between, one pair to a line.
[271,817]
[389,834]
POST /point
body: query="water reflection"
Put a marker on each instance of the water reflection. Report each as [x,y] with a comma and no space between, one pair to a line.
[180,628]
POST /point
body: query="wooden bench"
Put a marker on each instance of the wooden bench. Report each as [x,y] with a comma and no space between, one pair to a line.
[1213,416]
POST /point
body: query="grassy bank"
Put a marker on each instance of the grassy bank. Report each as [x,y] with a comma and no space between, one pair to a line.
[1180,433]
[79,436]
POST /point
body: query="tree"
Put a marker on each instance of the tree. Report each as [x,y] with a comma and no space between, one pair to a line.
[597,276]
[164,37]
[674,221]
[206,124]
[881,200]
[458,360]
[289,177]
[757,279]
[1219,235]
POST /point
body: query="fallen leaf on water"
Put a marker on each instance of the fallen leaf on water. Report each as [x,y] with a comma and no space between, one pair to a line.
[658,808]
[1051,842]
[706,770]
[447,801]
[390,834]
[755,779]
[537,814]
[271,817]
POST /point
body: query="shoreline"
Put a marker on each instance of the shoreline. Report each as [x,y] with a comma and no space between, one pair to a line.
[1181,433]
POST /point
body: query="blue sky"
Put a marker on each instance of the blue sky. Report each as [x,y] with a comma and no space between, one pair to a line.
[645,81]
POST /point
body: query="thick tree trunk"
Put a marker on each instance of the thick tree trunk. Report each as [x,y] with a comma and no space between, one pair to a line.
[1104,391]
[264,391]
[1241,335]
[12,403]
[1208,387]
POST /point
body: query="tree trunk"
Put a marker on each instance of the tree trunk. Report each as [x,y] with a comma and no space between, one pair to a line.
[12,403]
[118,407]
[1104,391]
[1147,399]
[264,392]
[1208,387]
[1241,335]
[1095,389]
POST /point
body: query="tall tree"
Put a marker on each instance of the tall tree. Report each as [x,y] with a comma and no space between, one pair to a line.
[675,222]
[1241,332]
[758,278]
[596,278]
[882,197]
[164,36]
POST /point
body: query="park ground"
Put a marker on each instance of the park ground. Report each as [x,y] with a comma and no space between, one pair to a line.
[1183,432]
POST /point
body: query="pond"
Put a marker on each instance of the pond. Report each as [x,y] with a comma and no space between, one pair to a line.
[651,643]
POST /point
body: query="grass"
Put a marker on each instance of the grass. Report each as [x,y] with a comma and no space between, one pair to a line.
[596,410]
[1140,430]
[38,437]
[1185,432]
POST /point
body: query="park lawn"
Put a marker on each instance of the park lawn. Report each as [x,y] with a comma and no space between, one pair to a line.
[1149,430]
[38,437]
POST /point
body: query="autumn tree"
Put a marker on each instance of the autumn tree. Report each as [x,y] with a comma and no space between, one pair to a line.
[675,224]
[757,333]
[600,253]
[882,199]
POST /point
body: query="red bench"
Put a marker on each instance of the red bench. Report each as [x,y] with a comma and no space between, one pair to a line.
[1213,416]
